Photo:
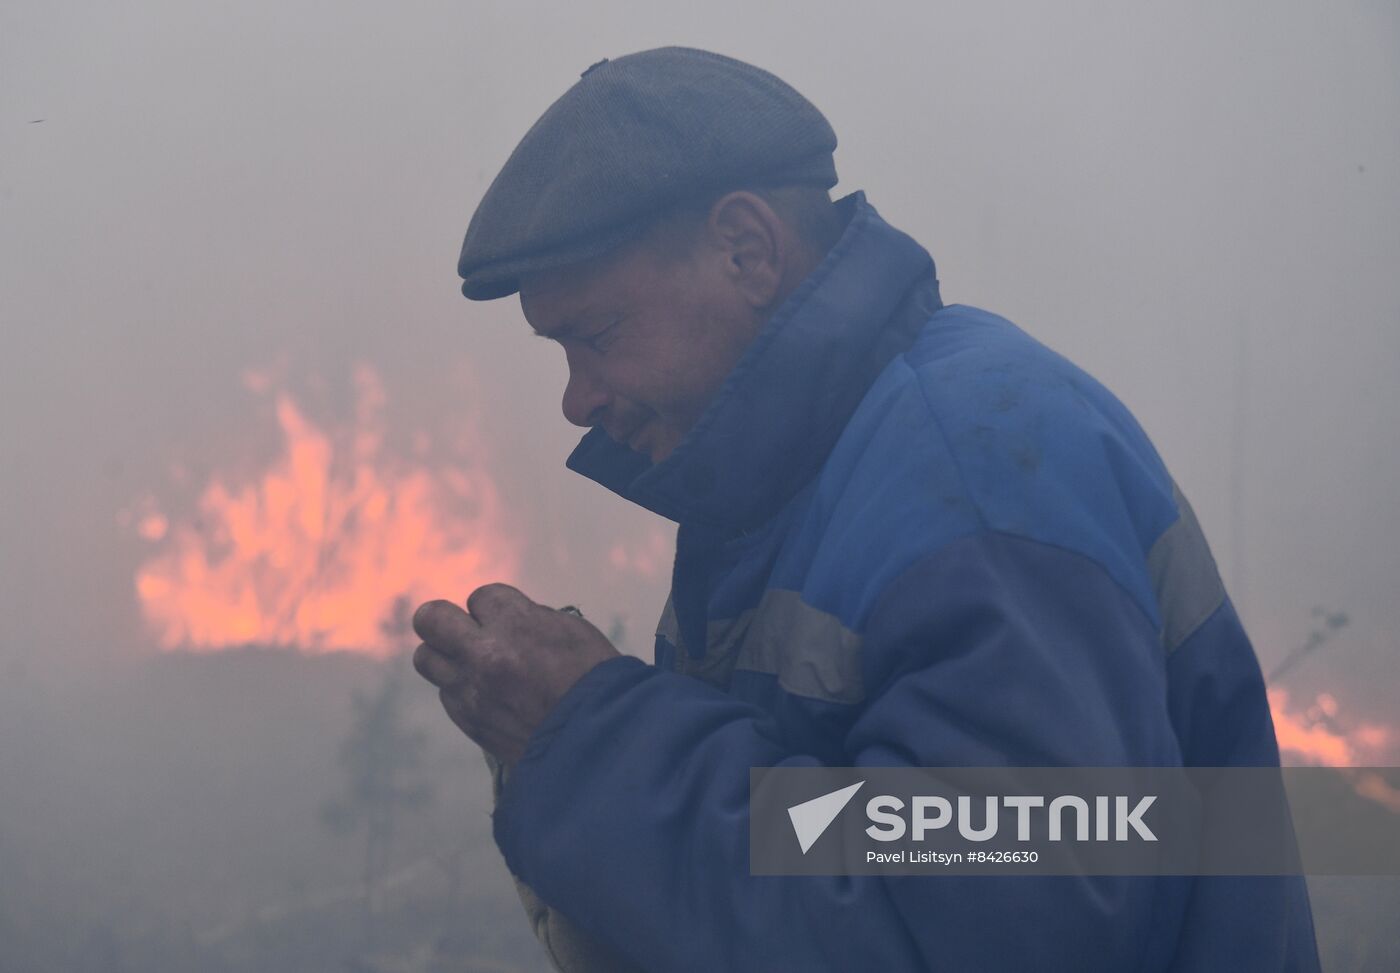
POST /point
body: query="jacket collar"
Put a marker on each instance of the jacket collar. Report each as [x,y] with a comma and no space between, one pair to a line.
[780,411]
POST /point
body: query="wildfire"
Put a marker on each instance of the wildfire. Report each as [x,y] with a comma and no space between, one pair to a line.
[330,548]
[1314,734]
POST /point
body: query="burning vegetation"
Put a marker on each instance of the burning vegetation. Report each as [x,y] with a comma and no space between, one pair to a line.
[329,547]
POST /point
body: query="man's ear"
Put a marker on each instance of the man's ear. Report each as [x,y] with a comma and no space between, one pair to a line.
[755,245]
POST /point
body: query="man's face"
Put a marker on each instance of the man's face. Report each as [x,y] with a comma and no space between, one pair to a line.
[649,336]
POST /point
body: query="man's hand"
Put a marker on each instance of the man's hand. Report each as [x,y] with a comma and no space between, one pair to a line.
[501,665]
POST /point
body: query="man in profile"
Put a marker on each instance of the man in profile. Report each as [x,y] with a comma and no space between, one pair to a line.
[909,535]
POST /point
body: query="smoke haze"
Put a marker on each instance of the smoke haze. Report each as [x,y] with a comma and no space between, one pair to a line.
[1198,203]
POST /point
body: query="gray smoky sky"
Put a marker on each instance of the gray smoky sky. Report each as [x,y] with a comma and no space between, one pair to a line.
[1198,202]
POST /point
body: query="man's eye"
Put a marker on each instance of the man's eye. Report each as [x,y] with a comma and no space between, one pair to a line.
[600,341]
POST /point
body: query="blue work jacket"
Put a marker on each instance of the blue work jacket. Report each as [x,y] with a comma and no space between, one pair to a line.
[909,535]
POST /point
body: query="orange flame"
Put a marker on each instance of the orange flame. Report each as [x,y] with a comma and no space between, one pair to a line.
[1314,734]
[329,549]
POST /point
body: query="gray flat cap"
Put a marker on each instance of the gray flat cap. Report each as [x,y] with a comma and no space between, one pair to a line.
[631,137]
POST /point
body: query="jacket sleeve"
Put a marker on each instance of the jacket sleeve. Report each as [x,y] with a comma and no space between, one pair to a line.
[569,948]
[628,811]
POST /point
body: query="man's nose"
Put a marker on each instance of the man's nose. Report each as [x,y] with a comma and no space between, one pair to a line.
[584,397]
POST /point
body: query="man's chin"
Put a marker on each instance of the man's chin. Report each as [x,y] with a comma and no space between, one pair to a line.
[652,440]
[657,443]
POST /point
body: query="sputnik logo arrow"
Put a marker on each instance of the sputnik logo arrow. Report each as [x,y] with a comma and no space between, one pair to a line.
[811,818]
